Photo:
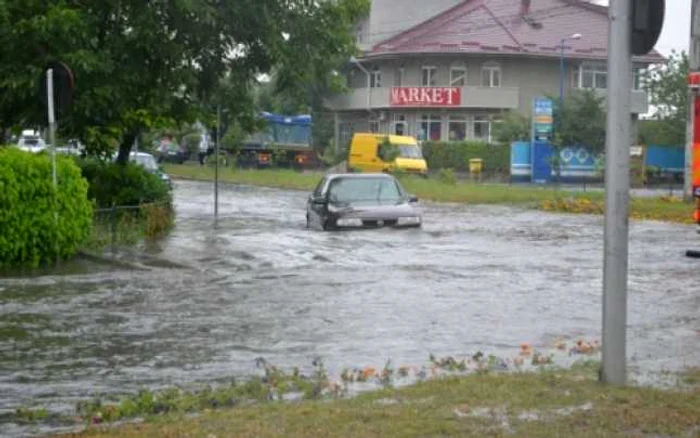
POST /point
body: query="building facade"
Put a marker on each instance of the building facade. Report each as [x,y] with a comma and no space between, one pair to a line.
[450,77]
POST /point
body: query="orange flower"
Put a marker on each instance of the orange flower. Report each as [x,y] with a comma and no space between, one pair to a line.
[369,372]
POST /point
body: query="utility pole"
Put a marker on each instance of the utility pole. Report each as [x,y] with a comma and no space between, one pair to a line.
[617,184]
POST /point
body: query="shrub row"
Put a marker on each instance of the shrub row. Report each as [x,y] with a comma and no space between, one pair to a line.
[122,185]
[456,155]
[40,223]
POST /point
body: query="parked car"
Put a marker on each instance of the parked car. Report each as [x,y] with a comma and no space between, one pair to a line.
[149,162]
[172,153]
[31,141]
[352,200]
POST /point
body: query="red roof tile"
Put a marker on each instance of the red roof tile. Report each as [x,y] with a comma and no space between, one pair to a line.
[478,26]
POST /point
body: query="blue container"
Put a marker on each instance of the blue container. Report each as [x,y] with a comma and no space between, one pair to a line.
[520,162]
[667,158]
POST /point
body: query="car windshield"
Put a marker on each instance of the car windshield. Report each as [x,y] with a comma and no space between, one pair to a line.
[146,161]
[348,190]
[410,151]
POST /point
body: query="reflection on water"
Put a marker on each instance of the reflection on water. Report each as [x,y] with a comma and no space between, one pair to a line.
[260,284]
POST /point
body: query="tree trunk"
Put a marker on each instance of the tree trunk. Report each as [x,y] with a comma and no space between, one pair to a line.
[125,147]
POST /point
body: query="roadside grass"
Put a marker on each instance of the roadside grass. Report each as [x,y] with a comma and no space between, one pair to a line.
[543,403]
[667,209]
[126,227]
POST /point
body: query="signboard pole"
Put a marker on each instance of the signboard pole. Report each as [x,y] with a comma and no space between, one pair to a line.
[617,184]
[216,163]
[52,122]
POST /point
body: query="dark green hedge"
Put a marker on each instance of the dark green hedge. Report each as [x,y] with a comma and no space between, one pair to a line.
[456,155]
[40,224]
[122,185]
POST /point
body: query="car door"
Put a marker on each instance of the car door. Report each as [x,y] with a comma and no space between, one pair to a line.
[316,212]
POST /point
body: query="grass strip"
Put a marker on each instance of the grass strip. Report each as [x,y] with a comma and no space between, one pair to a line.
[666,209]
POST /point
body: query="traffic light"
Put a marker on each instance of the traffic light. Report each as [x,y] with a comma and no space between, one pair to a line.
[647,22]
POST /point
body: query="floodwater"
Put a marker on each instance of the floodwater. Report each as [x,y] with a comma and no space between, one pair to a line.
[475,278]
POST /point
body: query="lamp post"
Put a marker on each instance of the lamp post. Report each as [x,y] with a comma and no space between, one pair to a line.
[576,36]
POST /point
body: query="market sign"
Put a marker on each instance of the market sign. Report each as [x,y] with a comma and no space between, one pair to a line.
[426,96]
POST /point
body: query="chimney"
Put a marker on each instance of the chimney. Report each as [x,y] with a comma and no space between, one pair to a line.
[524,7]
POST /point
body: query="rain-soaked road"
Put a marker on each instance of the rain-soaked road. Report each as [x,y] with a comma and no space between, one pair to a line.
[474,278]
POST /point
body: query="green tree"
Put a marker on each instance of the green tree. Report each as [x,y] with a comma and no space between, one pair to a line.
[667,86]
[512,127]
[144,65]
[580,121]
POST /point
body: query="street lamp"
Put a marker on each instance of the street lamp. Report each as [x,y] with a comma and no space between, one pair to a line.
[355,61]
[576,36]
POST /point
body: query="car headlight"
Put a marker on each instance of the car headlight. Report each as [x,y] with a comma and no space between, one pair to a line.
[409,220]
[349,222]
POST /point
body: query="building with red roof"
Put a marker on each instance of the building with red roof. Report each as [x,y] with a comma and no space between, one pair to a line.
[445,69]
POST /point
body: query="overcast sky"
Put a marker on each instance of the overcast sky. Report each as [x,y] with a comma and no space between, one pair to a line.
[676,33]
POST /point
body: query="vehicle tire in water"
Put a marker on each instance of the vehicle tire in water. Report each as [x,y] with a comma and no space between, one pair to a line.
[329,225]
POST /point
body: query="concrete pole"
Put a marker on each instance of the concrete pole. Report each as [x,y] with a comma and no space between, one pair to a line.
[617,184]
[694,59]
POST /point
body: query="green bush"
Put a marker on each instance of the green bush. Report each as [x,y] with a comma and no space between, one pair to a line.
[39,224]
[456,155]
[447,176]
[122,185]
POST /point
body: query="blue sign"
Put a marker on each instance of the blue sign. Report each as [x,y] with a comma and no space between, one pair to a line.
[542,119]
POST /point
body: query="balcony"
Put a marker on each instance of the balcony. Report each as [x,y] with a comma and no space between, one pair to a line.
[639,101]
[469,97]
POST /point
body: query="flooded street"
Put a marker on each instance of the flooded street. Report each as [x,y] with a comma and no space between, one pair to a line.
[261,285]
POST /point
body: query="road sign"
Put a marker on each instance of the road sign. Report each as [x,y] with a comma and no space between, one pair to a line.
[647,22]
[543,119]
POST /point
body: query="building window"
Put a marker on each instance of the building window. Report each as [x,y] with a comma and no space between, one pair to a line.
[428,76]
[593,76]
[491,75]
[458,76]
[376,78]
[400,125]
[374,126]
[430,127]
[638,79]
[399,74]
[457,128]
[482,128]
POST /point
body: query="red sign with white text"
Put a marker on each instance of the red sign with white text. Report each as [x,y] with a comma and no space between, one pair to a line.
[426,96]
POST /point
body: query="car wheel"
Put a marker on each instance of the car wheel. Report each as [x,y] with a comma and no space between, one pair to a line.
[308,221]
[329,225]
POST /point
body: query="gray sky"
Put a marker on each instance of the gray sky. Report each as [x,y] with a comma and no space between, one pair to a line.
[676,33]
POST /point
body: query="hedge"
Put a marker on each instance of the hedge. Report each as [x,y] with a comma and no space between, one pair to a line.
[122,185]
[456,155]
[38,223]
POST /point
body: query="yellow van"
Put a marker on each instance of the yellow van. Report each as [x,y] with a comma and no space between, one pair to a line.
[374,153]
